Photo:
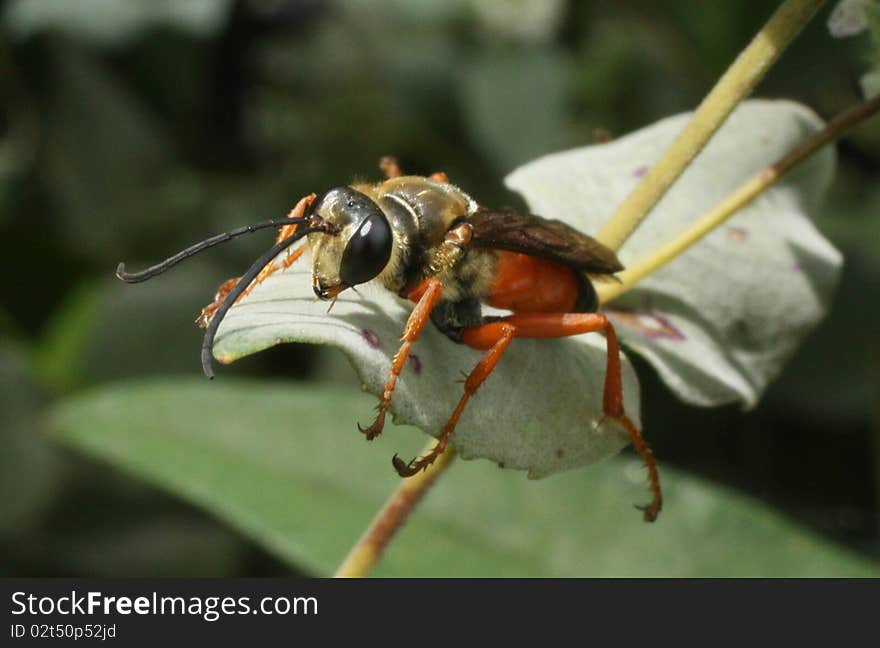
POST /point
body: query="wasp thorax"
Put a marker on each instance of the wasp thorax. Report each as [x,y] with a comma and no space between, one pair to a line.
[357,245]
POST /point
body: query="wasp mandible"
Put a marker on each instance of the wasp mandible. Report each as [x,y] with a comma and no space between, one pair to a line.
[427,241]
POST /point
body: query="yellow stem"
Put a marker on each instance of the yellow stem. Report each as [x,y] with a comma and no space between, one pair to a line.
[738,199]
[735,85]
[367,551]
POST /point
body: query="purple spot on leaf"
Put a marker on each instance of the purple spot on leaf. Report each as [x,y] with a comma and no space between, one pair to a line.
[650,324]
[371,338]
[416,363]
[641,171]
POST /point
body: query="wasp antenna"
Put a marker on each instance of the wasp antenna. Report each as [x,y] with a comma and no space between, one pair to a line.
[170,262]
[241,286]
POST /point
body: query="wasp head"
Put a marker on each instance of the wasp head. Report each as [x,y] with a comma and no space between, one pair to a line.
[355,245]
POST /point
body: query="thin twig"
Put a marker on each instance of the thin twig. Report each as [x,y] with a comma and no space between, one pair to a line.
[367,551]
[735,201]
[735,85]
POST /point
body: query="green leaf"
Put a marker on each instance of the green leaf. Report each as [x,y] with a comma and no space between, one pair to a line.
[435,13]
[521,20]
[108,197]
[284,464]
[110,22]
[29,466]
[719,322]
[154,547]
[106,330]
[532,86]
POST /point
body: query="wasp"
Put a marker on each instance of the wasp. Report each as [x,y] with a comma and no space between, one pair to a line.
[427,241]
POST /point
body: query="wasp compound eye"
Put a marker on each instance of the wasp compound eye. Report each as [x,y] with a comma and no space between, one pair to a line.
[368,250]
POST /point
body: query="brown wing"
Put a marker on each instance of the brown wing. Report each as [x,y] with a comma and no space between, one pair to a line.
[544,238]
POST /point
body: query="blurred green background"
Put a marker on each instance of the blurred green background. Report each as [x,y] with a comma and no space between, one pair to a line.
[132,128]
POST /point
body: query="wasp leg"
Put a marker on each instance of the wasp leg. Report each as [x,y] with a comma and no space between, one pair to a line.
[298,211]
[226,287]
[208,311]
[553,325]
[472,383]
[390,167]
[428,293]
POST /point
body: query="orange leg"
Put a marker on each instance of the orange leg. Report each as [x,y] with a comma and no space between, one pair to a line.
[226,287]
[288,230]
[428,294]
[390,167]
[553,325]
[484,367]
[208,311]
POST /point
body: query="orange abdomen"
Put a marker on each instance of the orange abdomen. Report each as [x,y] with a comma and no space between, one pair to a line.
[527,284]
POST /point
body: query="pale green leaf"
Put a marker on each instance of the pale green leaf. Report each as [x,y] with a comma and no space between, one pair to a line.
[538,411]
[870,83]
[849,17]
[284,464]
[718,322]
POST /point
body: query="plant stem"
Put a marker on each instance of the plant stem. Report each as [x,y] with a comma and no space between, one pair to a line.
[367,551]
[741,197]
[735,85]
